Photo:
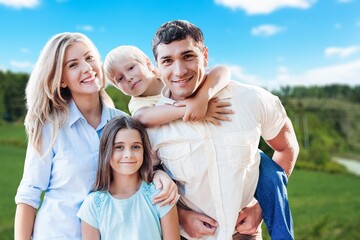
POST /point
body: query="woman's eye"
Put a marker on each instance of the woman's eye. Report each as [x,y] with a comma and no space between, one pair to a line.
[90,58]
[72,65]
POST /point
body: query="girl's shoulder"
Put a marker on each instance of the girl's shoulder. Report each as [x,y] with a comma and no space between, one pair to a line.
[98,198]
[149,189]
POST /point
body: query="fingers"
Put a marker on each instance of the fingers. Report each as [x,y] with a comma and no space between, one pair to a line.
[168,195]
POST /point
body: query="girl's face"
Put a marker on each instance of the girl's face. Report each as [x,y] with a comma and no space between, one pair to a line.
[133,78]
[81,70]
[128,152]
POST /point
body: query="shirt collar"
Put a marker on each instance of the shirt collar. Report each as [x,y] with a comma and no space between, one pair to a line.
[75,114]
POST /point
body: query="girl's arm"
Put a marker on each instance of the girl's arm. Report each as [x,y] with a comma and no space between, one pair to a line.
[24,221]
[197,106]
[170,225]
[158,115]
[89,232]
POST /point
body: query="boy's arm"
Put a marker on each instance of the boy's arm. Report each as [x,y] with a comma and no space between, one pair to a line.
[158,115]
[216,80]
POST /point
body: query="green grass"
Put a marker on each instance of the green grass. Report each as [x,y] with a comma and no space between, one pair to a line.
[324,206]
[12,152]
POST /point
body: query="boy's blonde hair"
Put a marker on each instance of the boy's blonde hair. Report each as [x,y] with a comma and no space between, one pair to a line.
[46,101]
[123,53]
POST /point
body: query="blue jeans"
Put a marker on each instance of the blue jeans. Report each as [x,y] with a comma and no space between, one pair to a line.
[271,193]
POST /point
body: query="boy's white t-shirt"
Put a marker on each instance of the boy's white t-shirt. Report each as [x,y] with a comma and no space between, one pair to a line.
[139,102]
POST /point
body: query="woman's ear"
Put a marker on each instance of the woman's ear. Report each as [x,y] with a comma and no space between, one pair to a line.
[63,84]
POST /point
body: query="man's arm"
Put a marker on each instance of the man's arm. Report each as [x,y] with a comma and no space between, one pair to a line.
[195,224]
[286,147]
[286,150]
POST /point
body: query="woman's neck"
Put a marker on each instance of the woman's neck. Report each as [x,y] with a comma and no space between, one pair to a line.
[124,186]
[91,108]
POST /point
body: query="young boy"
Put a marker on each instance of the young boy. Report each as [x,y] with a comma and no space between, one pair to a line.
[131,71]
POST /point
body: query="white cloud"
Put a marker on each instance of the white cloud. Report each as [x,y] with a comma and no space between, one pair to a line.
[348,73]
[341,52]
[238,74]
[338,26]
[264,6]
[86,28]
[20,3]
[21,65]
[25,50]
[266,30]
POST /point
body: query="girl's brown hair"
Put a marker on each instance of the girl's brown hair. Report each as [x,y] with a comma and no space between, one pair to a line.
[104,175]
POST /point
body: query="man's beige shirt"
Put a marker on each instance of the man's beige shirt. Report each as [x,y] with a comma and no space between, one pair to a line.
[217,167]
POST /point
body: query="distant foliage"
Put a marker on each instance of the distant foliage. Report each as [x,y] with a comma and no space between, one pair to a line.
[12,94]
[325,118]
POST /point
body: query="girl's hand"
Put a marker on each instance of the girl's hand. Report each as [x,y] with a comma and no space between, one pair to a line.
[169,193]
[217,111]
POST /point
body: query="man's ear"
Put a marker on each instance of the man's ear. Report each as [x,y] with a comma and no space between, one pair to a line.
[205,55]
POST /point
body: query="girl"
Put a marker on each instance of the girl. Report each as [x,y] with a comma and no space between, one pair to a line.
[67,111]
[123,190]
[131,71]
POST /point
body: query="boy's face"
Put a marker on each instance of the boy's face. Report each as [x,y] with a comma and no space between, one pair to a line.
[182,67]
[133,78]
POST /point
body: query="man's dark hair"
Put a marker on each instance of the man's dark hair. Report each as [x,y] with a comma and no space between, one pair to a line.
[174,31]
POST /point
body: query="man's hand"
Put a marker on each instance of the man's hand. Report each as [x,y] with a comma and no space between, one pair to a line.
[197,225]
[249,219]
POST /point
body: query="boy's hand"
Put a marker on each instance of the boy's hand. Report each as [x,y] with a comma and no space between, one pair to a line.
[217,111]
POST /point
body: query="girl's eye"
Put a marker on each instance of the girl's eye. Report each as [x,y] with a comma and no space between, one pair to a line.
[137,147]
[120,147]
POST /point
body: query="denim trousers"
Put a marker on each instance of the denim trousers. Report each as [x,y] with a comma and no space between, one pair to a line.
[271,193]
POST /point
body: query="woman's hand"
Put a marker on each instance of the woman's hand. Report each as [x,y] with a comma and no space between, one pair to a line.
[169,191]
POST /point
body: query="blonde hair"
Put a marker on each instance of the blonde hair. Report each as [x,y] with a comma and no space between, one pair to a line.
[46,101]
[124,54]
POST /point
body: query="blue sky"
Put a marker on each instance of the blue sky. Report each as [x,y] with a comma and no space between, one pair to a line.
[270,43]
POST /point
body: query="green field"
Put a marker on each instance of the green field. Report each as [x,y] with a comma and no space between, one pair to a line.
[324,206]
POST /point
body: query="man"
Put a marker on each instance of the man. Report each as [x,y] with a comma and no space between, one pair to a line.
[216,167]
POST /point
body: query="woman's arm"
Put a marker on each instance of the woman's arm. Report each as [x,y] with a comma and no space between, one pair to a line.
[24,221]
[169,191]
[170,225]
[89,232]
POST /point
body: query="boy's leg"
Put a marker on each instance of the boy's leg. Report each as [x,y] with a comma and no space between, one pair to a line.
[271,194]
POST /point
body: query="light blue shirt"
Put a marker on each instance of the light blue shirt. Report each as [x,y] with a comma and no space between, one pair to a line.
[134,218]
[66,174]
